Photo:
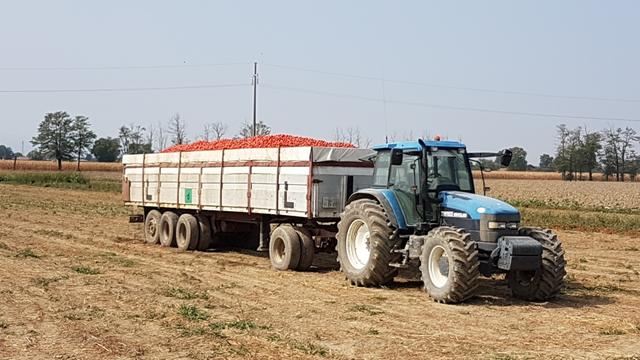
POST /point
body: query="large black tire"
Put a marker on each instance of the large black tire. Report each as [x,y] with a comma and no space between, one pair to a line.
[545,283]
[187,232]
[168,224]
[152,227]
[381,237]
[204,224]
[456,279]
[307,250]
[284,248]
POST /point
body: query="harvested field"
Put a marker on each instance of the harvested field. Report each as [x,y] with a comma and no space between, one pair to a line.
[77,282]
[535,175]
[567,194]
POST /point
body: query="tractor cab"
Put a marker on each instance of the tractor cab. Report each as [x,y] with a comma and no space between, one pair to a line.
[418,173]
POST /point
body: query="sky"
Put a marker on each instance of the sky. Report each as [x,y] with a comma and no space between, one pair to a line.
[493,74]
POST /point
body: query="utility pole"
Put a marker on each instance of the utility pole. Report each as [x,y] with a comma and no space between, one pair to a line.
[255,92]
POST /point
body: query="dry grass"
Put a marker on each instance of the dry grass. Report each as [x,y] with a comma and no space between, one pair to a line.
[45,165]
[167,304]
[533,175]
[594,195]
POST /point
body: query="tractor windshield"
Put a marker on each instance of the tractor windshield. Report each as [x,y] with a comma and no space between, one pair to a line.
[449,168]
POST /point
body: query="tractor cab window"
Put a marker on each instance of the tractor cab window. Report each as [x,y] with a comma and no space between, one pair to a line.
[448,168]
[404,182]
[381,169]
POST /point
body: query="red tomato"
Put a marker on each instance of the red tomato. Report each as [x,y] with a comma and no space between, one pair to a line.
[266,141]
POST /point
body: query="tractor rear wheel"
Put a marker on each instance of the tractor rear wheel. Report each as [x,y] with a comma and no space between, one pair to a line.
[152,227]
[366,239]
[284,248]
[449,265]
[545,283]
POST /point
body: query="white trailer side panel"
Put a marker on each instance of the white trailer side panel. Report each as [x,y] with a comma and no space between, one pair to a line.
[267,181]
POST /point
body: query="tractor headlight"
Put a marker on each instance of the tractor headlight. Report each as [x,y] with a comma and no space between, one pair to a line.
[499,225]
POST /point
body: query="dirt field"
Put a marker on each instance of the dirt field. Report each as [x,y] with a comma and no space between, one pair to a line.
[77,282]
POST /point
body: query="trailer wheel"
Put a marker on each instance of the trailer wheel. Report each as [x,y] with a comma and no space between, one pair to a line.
[152,227]
[449,265]
[187,232]
[284,248]
[205,233]
[366,240]
[168,223]
[545,283]
[307,249]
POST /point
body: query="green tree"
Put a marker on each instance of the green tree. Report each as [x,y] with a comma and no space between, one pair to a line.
[82,137]
[247,130]
[6,153]
[106,149]
[519,159]
[588,152]
[546,162]
[54,139]
[35,155]
[561,161]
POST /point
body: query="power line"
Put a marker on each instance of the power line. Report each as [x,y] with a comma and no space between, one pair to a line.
[124,67]
[453,87]
[447,107]
[94,90]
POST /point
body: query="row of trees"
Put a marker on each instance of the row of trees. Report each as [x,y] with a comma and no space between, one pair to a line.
[579,151]
[62,137]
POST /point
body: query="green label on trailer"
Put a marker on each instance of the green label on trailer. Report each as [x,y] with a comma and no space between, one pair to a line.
[188,196]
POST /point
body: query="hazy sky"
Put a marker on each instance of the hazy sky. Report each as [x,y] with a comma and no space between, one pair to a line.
[566,48]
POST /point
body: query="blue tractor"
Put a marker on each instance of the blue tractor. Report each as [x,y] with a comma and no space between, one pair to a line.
[423,210]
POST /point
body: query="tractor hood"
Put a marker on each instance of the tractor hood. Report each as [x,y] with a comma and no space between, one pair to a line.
[475,205]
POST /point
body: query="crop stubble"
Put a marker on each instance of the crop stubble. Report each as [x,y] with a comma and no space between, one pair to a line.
[128,307]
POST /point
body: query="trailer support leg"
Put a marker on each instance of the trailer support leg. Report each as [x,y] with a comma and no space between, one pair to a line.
[264,236]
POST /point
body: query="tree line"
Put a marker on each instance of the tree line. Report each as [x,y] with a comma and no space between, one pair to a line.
[581,153]
[61,137]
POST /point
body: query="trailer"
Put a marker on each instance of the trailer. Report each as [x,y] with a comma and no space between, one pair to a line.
[285,200]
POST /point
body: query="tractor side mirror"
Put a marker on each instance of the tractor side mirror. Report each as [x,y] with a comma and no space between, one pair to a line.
[505,158]
[396,157]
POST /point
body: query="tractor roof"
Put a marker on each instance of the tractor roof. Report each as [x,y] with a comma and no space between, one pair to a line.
[415,145]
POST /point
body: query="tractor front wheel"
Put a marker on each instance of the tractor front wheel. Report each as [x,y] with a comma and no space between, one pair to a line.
[449,265]
[544,283]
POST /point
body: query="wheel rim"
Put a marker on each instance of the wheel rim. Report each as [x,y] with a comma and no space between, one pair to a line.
[358,244]
[152,227]
[438,266]
[278,250]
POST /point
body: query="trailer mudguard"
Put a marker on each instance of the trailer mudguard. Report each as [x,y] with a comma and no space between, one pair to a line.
[388,200]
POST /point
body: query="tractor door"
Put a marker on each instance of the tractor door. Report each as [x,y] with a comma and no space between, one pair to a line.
[404,181]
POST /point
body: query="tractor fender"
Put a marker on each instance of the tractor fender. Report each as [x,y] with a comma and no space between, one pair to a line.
[389,202]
